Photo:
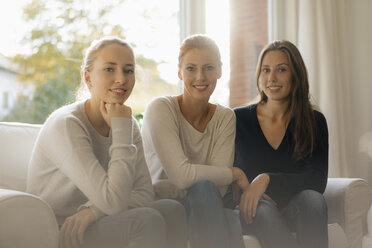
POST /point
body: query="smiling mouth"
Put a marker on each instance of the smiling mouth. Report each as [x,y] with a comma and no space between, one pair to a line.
[200,87]
[274,87]
[118,91]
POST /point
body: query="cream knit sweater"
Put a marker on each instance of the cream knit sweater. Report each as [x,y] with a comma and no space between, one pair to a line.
[178,155]
[73,166]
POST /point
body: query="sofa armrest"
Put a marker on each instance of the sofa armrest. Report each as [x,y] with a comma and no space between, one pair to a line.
[26,221]
[348,201]
[367,240]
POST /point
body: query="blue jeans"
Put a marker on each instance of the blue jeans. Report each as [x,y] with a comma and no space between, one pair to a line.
[305,214]
[210,225]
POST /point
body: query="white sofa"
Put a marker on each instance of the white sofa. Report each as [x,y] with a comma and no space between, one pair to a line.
[28,221]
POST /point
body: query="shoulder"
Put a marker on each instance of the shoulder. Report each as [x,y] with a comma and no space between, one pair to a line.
[320,119]
[223,118]
[245,109]
[162,102]
[161,112]
[320,124]
[161,105]
[245,112]
[319,115]
[65,117]
[225,112]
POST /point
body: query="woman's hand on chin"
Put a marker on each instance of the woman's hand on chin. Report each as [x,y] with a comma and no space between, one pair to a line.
[112,110]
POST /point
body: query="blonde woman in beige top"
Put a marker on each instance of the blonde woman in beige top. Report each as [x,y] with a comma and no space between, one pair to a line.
[189,148]
[88,164]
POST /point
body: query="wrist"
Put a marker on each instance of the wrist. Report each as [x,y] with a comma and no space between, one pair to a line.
[236,173]
[264,178]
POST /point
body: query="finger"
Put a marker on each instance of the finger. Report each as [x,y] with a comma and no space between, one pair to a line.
[74,235]
[254,208]
[250,210]
[244,209]
[81,232]
[102,107]
[264,197]
[61,235]
[68,236]
[268,198]
[64,234]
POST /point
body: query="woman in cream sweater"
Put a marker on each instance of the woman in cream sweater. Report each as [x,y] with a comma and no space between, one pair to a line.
[88,164]
[189,148]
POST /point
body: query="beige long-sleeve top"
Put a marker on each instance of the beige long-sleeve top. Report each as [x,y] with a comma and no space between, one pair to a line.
[73,166]
[178,155]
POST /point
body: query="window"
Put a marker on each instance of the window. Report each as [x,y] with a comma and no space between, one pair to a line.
[48,46]
[56,32]
[218,27]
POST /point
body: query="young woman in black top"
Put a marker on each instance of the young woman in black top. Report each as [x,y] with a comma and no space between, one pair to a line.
[282,146]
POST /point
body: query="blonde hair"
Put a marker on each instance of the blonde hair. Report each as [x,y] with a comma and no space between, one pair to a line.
[90,57]
[199,41]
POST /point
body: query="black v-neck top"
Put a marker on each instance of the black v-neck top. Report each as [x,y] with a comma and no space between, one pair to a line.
[254,155]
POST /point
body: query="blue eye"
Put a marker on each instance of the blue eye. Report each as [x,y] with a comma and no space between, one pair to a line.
[109,69]
[265,70]
[210,67]
[130,71]
[190,68]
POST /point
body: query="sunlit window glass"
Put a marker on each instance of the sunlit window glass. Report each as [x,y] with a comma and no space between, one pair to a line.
[47,38]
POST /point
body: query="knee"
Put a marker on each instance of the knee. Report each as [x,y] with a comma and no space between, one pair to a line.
[171,208]
[311,201]
[203,189]
[151,218]
[267,217]
[203,196]
[233,218]
[204,185]
[266,211]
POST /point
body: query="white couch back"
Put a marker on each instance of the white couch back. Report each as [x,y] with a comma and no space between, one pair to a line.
[16,144]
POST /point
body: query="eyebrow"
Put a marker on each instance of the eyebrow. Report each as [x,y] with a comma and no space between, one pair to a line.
[202,65]
[277,64]
[113,63]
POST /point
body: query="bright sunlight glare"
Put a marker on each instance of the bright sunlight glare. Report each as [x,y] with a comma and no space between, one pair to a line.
[147,25]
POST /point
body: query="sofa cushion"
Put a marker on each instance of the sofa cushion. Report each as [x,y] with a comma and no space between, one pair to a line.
[16,144]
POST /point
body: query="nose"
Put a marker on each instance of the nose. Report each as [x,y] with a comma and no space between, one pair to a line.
[120,77]
[200,76]
[272,76]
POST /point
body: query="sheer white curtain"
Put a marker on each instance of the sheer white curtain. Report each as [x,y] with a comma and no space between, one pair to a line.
[334,37]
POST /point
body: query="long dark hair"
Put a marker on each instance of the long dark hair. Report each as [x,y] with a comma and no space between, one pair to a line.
[300,111]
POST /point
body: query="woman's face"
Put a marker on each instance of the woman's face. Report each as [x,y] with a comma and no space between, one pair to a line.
[275,78]
[111,78]
[199,69]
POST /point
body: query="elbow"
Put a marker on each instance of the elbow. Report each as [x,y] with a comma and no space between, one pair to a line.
[183,177]
[113,205]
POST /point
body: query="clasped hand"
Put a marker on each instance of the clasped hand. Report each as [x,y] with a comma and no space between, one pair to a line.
[252,194]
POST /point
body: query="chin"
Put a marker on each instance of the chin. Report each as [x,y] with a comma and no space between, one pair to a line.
[202,98]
